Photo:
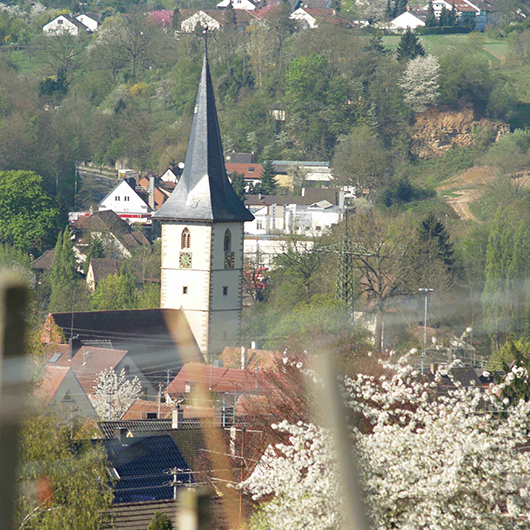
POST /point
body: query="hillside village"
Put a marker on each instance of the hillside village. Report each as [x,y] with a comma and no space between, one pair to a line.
[213,203]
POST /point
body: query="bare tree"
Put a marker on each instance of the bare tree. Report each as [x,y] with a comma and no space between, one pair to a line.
[393,261]
[62,54]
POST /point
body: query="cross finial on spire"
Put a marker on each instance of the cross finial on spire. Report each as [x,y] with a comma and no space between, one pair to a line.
[206,42]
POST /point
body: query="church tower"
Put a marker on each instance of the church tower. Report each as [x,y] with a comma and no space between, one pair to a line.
[202,235]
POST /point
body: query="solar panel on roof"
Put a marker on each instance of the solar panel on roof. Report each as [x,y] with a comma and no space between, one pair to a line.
[55,357]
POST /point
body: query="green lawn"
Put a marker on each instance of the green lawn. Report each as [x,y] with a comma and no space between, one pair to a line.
[492,49]
[24,62]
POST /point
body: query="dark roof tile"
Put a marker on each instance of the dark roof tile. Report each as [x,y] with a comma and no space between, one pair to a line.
[204,192]
[142,466]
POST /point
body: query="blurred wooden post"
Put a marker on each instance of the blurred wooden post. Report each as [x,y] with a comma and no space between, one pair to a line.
[13,305]
[194,511]
[334,413]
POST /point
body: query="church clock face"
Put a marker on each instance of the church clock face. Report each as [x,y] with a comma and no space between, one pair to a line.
[229,260]
[185,260]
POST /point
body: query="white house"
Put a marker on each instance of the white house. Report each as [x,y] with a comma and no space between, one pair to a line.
[247,5]
[408,19]
[125,201]
[309,17]
[269,219]
[169,176]
[303,219]
[314,219]
[65,24]
[90,21]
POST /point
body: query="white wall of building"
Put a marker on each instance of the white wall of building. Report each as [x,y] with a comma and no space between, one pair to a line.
[60,25]
[208,292]
[124,200]
[89,22]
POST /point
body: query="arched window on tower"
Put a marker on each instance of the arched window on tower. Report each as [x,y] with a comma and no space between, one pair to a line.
[185,239]
[228,240]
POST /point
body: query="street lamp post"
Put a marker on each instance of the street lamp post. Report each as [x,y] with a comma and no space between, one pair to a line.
[424,353]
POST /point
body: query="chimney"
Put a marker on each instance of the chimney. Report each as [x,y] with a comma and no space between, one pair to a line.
[151,192]
[121,434]
[253,345]
[74,343]
[178,418]
[303,192]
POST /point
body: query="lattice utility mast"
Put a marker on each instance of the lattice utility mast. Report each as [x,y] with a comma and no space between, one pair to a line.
[344,290]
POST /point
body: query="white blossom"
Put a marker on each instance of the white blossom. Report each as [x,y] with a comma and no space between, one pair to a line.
[420,83]
[121,391]
[433,458]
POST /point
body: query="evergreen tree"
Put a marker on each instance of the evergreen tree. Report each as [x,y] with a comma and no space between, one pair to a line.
[268,180]
[117,291]
[229,18]
[176,20]
[63,275]
[95,250]
[452,16]
[430,21]
[388,10]
[431,229]
[409,47]
[375,45]
[444,18]
[160,521]
[518,274]
[496,300]
[401,7]
[238,183]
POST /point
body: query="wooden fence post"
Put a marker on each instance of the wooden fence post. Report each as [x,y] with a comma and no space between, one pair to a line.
[194,511]
[13,306]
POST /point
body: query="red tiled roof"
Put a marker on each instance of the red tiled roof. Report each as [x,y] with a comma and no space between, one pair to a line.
[265,359]
[87,363]
[329,15]
[253,171]
[51,381]
[160,196]
[139,409]
[217,379]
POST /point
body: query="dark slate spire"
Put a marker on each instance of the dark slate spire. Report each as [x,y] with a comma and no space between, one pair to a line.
[203,192]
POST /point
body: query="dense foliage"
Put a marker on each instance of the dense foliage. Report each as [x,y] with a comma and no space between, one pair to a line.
[430,457]
[70,479]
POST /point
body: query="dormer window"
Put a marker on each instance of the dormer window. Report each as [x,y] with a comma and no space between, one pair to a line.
[185,239]
[251,170]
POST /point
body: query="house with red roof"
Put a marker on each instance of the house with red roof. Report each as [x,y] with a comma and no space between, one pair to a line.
[225,381]
[87,362]
[60,389]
